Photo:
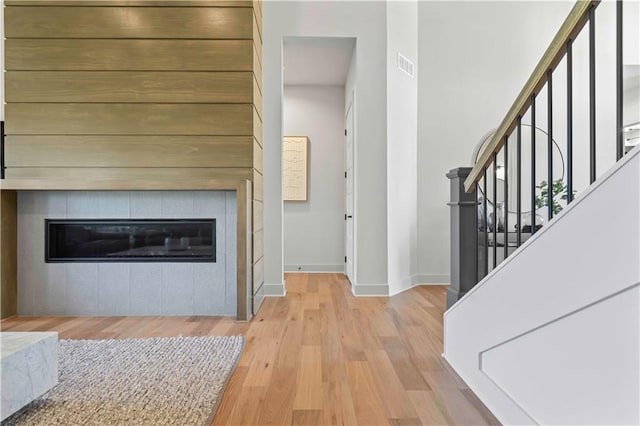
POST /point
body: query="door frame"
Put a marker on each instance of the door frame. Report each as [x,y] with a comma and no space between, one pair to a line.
[351,105]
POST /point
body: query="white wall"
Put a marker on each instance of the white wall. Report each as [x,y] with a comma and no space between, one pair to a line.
[366,21]
[314,229]
[526,338]
[402,146]
[631,99]
[121,288]
[474,57]
[631,58]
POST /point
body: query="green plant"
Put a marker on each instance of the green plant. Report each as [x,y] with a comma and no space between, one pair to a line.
[559,189]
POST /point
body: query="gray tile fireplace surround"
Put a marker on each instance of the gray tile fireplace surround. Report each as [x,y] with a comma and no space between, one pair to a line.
[112,289]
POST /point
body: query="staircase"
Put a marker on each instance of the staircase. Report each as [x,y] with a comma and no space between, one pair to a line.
[551,334]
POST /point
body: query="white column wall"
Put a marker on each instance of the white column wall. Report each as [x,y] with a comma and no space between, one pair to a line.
[402,146]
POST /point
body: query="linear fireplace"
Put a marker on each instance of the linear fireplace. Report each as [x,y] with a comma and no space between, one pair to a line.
[130,240]
[126,286]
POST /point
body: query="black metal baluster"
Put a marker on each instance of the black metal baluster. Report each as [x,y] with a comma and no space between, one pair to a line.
[533,164]
[619,83]
[549,145]
[519,181]
[592,94]
[569,122]
[506,197]
[495,209]
[486,222]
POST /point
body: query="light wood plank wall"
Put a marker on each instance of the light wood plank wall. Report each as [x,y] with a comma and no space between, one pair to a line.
[8,253]
[136,89]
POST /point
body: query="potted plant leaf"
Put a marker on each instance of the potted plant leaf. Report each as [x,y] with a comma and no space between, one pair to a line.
[559,189]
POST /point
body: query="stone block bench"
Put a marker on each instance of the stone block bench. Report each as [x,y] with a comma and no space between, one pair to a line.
[28,369]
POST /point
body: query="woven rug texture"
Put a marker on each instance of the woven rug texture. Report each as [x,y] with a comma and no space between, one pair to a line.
[155,381]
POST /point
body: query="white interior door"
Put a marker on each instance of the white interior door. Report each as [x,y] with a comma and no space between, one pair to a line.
[349,182]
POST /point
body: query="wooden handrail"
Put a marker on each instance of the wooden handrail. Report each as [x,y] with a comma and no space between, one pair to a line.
[570,28]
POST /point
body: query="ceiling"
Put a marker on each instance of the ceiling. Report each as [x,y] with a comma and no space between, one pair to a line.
[316,61]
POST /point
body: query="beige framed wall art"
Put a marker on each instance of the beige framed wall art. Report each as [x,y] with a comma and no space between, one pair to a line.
[295,163]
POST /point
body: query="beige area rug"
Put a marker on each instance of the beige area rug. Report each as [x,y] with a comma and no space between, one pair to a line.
[157,381]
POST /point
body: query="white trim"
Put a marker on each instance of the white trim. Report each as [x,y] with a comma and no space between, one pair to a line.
[425,279]
[402,290]
[422,280]
[351,105]
[278,290]
[338,269]
[370,290]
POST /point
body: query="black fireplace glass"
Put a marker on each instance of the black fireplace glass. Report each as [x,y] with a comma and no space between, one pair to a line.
[130,240]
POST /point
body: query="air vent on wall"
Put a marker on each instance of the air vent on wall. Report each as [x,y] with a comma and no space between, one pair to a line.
[405,65]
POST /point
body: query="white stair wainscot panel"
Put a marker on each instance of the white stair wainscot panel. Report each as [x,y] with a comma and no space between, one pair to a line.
[552,335]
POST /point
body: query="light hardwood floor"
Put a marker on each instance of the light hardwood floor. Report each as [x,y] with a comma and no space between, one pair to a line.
[319,356]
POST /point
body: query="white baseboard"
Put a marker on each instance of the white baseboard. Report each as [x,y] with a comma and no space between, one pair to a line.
[337,268]
[424,279]
[417,280]
[369,290]
[407,284]
[277,290]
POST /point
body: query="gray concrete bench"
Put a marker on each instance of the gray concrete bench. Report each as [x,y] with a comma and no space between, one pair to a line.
[29,368]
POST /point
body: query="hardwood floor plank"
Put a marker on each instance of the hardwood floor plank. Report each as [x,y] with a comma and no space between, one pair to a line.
[318,356]
[312,285]
[363,323]
[278,405]
[261,366]
[246,407]
[289,355]
[388,383]
[306,417]
[231,396]
[458,407]
[366,400]
[338,404]
[311,332]
[403,364]
[377,309]
[312,300]
[429,408]
[333,366]
[324,294]
[309,384]
[405,422]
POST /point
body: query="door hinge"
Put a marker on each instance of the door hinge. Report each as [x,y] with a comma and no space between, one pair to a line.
[345,216]
[345,175]
[345,259]
[345,132]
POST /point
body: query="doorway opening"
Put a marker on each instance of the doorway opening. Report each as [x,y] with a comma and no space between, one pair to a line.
[319,185]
